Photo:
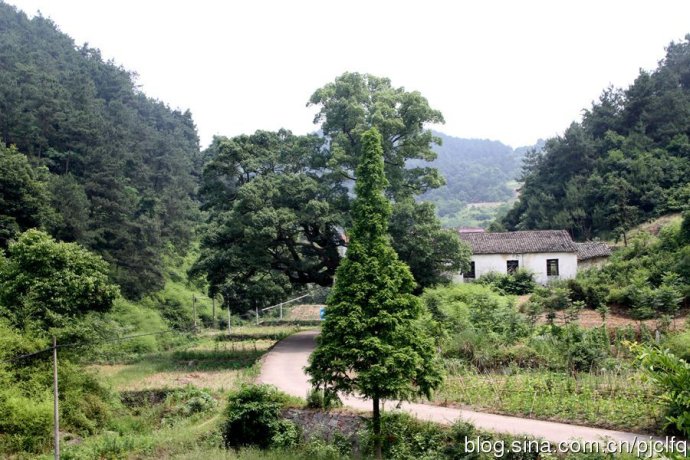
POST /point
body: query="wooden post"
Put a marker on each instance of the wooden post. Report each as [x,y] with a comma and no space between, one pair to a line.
[257,315]
[229,318]
[213,302]
[281,311]
[56,413]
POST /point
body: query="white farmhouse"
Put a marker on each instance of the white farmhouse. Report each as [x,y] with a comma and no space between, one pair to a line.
[548,254]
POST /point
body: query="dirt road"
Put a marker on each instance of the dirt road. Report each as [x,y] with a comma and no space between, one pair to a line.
[284,367]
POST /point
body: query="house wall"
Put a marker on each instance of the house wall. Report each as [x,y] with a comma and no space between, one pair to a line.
[536,263]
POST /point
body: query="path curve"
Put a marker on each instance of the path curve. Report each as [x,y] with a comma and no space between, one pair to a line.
[284,366]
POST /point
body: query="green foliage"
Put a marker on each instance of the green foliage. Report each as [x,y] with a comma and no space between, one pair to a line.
[43,282]
[121,165]
[23,196]
[646,277]
[520,282]
[26,398]
[318,398]
[373,340]
[253,419]
[353,104]
[485,329]
[27,421]
[679,344]
[554,298]
[626,162]
[190,401]
[672,374]
[428,242]
[273,222]
[406,438]
[474,307]
[278,203]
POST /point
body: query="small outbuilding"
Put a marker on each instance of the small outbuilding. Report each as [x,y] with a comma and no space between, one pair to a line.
[592,254]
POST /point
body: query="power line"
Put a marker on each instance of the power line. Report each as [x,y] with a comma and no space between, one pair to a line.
[78,344]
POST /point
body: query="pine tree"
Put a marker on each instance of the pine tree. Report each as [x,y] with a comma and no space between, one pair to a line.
[374,339]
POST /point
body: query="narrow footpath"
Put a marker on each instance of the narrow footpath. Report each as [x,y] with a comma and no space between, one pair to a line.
[284,367]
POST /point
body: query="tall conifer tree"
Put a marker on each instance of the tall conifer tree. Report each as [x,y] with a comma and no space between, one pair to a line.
[373,341]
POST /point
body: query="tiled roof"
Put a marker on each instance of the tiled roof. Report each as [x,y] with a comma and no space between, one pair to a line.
[591,250]
[522,242]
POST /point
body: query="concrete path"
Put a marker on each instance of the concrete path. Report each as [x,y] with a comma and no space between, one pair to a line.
[284,367]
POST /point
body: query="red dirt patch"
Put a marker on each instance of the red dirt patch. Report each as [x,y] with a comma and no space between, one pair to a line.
[618,318]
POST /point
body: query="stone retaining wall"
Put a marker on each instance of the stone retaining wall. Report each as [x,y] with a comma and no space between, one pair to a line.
[317,424]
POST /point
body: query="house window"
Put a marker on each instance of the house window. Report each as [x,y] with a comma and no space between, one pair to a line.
[470,273]
[551,267]
[512,266]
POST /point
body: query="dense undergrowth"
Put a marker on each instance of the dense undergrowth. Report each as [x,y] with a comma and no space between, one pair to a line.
[39,303]
[502,360]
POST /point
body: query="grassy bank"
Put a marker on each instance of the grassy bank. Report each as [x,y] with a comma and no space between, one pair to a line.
[170,403]
[617,399]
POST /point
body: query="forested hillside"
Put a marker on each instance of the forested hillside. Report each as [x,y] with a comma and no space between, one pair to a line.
[627,161]
[475,171]
[88,157]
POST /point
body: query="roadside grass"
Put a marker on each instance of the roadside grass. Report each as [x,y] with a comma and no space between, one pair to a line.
[615,399]
[213,361]
[143,437]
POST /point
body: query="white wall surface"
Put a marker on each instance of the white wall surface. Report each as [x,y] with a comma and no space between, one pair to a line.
[536,263]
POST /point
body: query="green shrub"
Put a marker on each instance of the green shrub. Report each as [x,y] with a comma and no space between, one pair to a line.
[672,374]
[190,401]
[318,398]
[26,424]
[473,306]
[584,349]
[520,282]
[318,449]
[253,419]
[679,344]
[404,437]
[550,299]
[588,289]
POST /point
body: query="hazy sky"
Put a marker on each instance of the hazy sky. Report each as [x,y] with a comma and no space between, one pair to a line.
[513,71]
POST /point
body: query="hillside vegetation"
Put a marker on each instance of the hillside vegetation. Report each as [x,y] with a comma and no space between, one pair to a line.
[480,179]
[102,253]
[92,159]
[626,162]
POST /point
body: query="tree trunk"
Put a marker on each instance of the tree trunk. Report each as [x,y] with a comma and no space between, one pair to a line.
[376,422]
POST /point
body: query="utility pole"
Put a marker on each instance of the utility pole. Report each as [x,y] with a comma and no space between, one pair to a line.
[213,302]
[56,413]
[257,316]
[229,318]
[194,310]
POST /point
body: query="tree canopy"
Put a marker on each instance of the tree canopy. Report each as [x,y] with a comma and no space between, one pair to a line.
[355,102]
[121,176]
[373,341]
[45,283]
[627,161]
[278,203]
[23,196]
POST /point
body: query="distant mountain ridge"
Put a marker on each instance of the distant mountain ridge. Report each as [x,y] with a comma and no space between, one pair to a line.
[475,170]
